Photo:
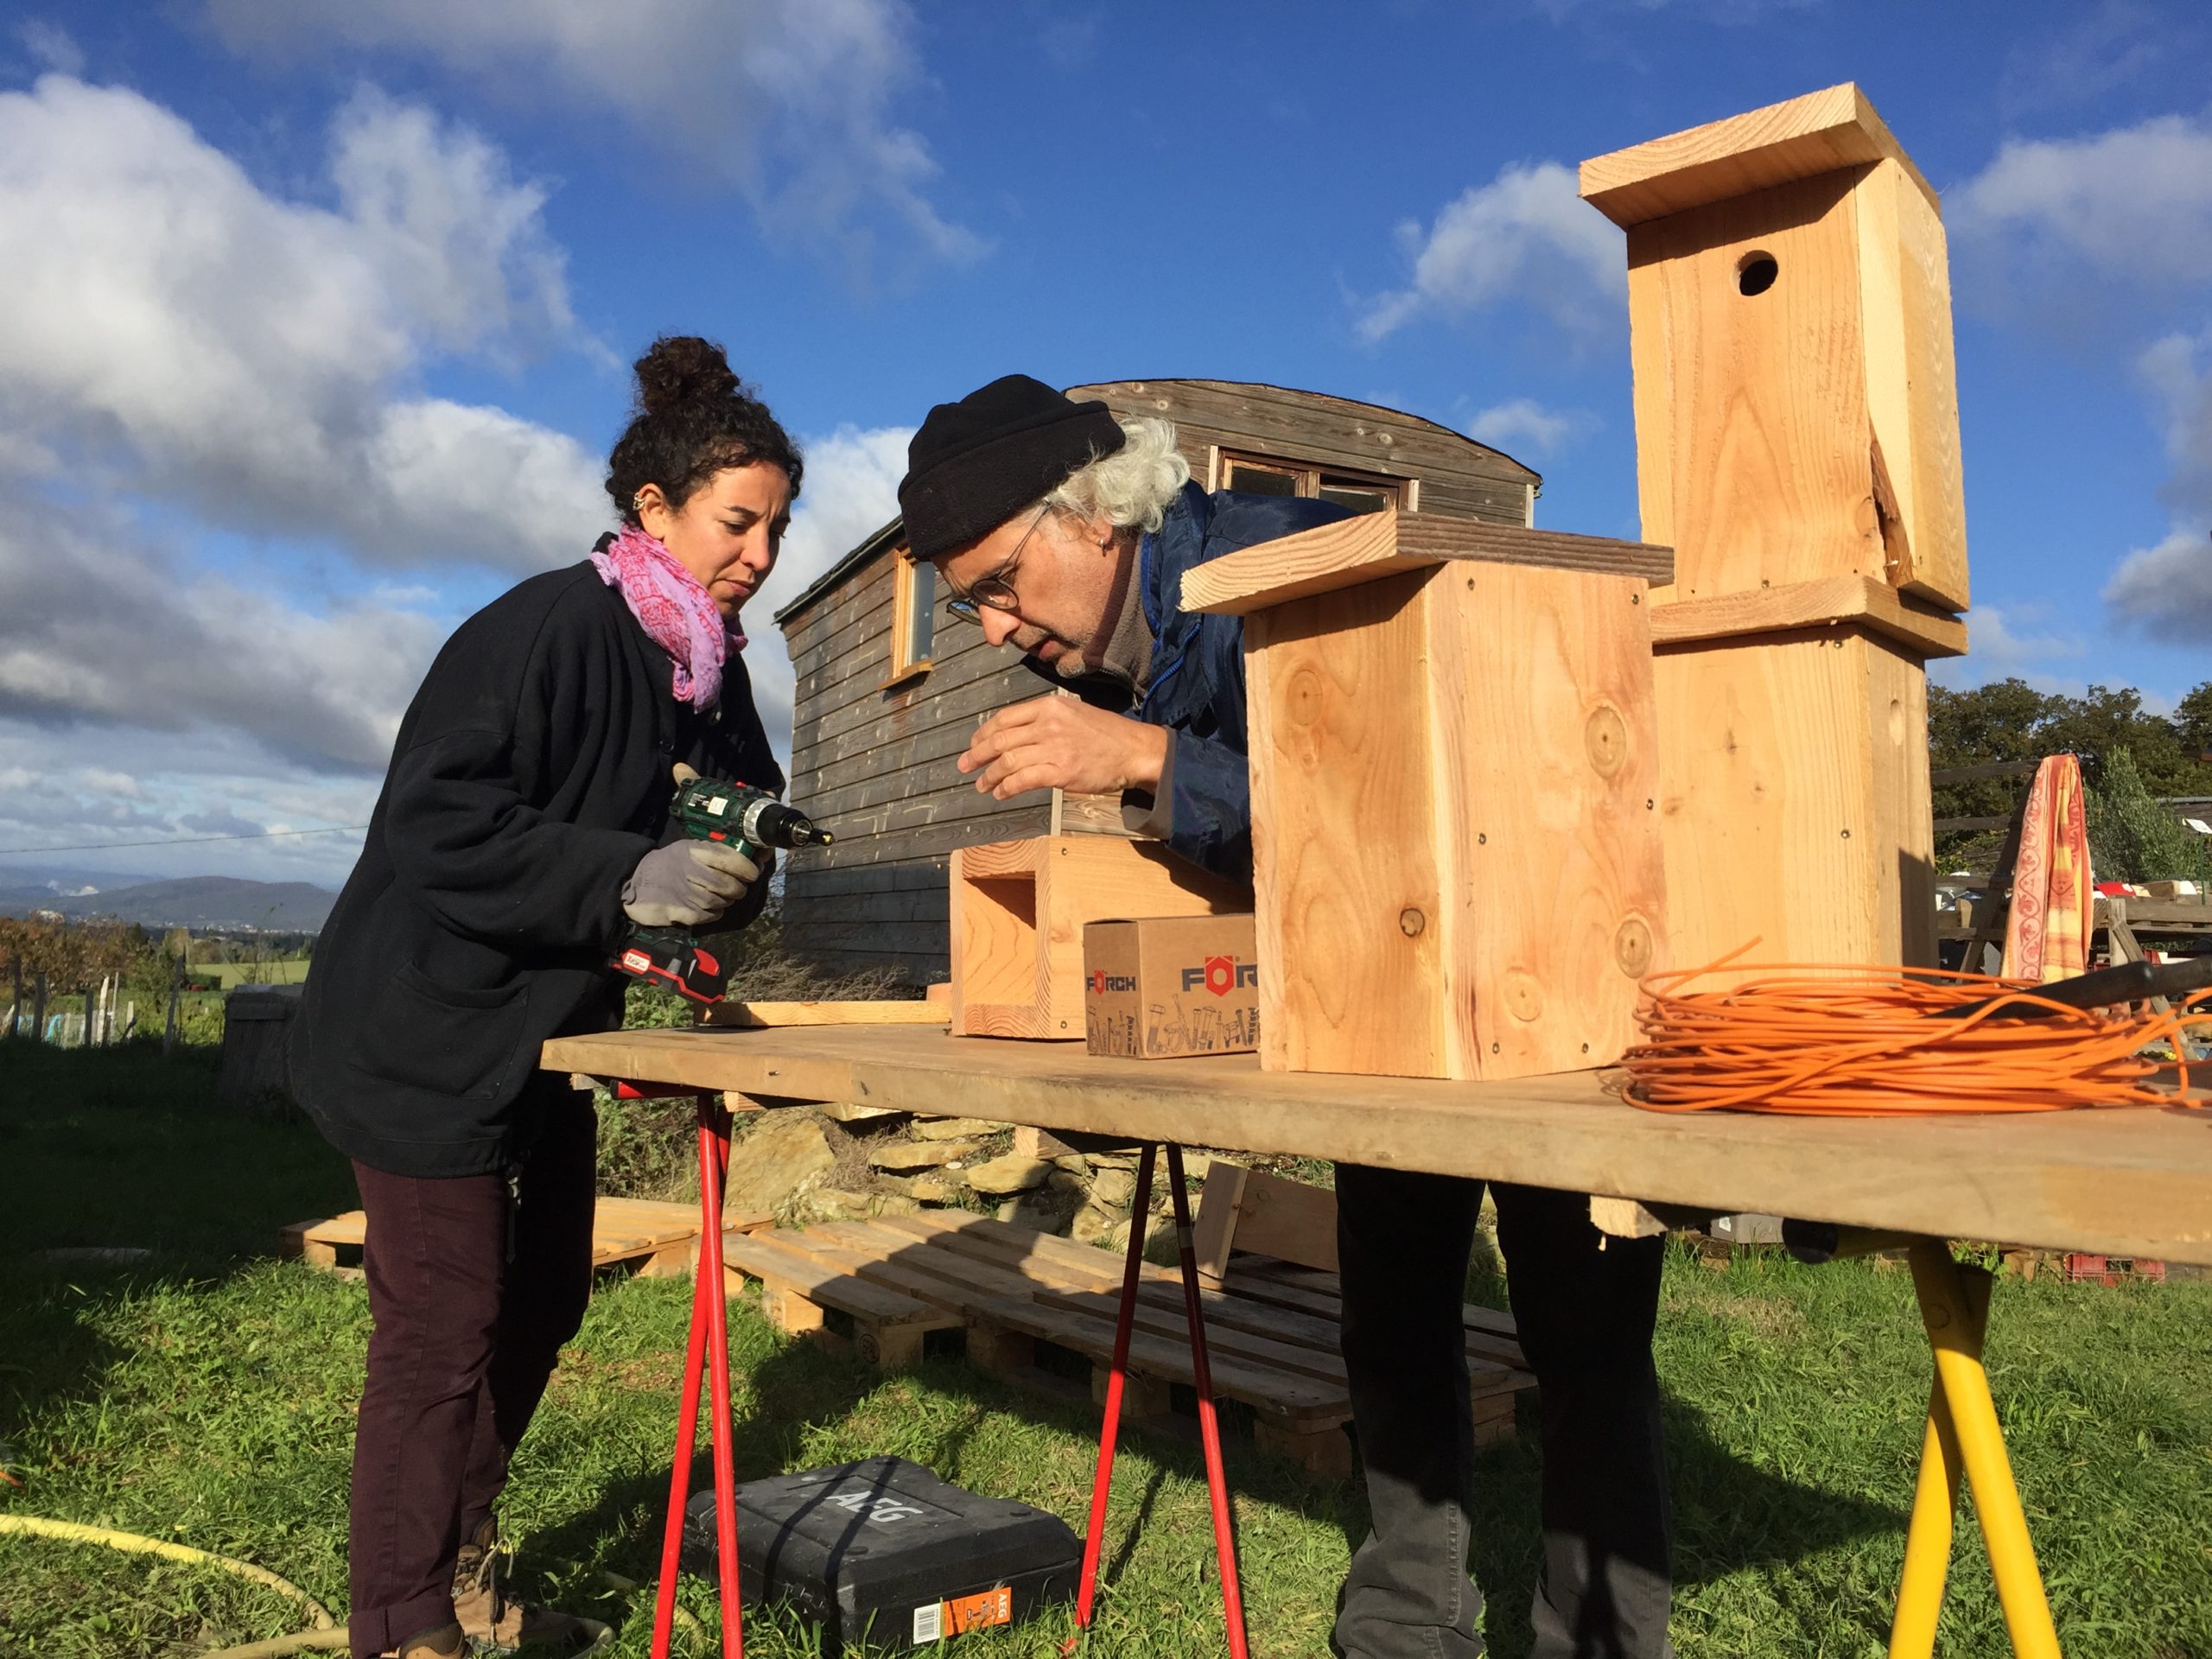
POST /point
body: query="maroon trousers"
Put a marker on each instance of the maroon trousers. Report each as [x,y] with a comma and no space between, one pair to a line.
[474,1286]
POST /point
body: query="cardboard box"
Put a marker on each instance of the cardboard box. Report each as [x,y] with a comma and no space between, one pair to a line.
[1161,987]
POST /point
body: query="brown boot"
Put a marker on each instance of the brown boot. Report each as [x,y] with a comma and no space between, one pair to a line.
[496,1622]
[446,1642]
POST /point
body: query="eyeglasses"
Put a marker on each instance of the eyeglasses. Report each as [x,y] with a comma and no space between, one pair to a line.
[994,591]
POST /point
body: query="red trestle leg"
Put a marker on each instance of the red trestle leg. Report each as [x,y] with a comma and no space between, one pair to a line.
[710,1328]
[1225,1538]
[1124,1322]
[714,1126]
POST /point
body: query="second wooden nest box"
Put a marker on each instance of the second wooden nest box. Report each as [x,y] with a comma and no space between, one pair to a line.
[1457,861]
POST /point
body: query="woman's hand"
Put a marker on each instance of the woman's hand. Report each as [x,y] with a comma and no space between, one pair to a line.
[1061,742]
[687,884]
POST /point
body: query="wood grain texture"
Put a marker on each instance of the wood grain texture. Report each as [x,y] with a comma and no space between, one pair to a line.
[1552,777]
[1342,833]
[1451,774]
[2126,1182]
[1798,138]
[1822,603]
[1794,800]
[765,1015]
[1354,550]
[1912,393]
[1762,398]
[1018,910]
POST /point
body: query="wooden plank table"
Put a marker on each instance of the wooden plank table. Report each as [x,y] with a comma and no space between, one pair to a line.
[2135,1182]
[2130,1181]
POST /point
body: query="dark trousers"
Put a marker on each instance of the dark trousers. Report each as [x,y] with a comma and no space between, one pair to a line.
[473,1288]
[1586,1316]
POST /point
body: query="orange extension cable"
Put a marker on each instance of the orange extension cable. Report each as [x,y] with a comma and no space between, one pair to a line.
[1865,1042]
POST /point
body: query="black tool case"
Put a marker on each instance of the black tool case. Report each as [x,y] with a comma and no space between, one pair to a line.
[884,1555]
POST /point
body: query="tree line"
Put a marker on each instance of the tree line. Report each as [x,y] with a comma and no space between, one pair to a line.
[2133,760]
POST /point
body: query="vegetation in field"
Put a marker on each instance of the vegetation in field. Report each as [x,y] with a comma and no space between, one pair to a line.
[2130,756]
[203,1393]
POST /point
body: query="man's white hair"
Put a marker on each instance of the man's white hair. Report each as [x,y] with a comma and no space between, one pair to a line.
[1131,488]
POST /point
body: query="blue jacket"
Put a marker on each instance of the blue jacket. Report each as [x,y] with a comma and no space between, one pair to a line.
[1198,669]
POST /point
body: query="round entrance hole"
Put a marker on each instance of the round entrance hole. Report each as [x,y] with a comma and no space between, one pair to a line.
[1754,274]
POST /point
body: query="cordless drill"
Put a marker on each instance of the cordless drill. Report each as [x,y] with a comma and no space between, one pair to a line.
[746,818]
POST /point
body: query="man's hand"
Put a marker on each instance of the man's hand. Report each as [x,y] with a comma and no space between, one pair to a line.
[1061,742]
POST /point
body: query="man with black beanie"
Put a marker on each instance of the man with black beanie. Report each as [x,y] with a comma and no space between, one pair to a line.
[1065,532]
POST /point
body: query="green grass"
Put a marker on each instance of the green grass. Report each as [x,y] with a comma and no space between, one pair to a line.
[206,1396]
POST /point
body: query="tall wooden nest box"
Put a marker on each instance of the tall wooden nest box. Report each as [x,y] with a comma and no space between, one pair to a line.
[1797,444]
[1457,863]
[1796,405]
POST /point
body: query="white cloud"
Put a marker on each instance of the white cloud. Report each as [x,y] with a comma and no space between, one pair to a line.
[851,492]
[50,46]
[2000,649]
[2178,370]
[789,99]
[97,632]
[2166,591]
[2133,204]
[219,784]
[1524,236]
[253,359]
[1524,424]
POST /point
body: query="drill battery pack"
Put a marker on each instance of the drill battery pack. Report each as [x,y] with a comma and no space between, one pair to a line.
[885,1557]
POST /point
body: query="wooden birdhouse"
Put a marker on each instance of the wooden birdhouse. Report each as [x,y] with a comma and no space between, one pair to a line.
[1019,909]
[1797,443]
[1789,304]
[1457,866]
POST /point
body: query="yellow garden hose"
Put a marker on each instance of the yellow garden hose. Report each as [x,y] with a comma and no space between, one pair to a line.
[131,1543]
[325,1630]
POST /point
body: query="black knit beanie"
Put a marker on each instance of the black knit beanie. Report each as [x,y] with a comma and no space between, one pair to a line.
[977,462]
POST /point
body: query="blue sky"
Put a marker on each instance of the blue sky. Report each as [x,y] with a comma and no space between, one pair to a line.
[315,320]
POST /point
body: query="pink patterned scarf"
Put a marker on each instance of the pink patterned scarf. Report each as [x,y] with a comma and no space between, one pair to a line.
[674,610]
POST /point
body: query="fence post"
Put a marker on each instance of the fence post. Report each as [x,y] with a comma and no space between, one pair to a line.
[176,987]
[92,1001]
[15,1002]
[38,1011]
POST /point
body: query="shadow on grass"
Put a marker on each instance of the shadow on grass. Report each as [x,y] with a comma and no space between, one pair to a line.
[123,1174]
[800,1395]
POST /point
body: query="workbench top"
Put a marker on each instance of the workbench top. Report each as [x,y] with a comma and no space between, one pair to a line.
[2130,1181]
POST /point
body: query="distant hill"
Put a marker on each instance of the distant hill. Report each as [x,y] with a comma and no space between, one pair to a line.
[198,902]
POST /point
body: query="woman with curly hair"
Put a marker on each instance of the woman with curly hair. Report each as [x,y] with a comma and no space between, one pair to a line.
[524,826]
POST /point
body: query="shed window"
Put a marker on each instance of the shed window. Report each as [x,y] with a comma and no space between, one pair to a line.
[1270,475]
[913,619]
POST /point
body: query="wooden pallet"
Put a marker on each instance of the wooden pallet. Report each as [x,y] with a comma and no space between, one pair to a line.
[1039,1311]
[663,1237]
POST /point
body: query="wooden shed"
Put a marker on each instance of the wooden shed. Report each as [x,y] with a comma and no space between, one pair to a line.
[888,686]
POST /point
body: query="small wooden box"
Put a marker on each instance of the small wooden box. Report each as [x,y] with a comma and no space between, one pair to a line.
[1019,909]
[1789,315]
[1457,870]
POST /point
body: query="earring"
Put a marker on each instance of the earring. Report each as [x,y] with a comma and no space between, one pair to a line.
[637,502]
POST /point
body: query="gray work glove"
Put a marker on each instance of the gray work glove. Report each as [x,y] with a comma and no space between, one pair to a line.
[687,884]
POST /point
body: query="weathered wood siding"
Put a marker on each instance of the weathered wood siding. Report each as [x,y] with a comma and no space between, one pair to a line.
[874,765]
[1458,476]
[874,762]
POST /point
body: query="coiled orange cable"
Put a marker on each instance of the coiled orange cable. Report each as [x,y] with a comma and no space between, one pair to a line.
[1863,1042]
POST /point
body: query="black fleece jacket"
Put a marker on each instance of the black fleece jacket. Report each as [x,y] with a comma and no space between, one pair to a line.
[531,775]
